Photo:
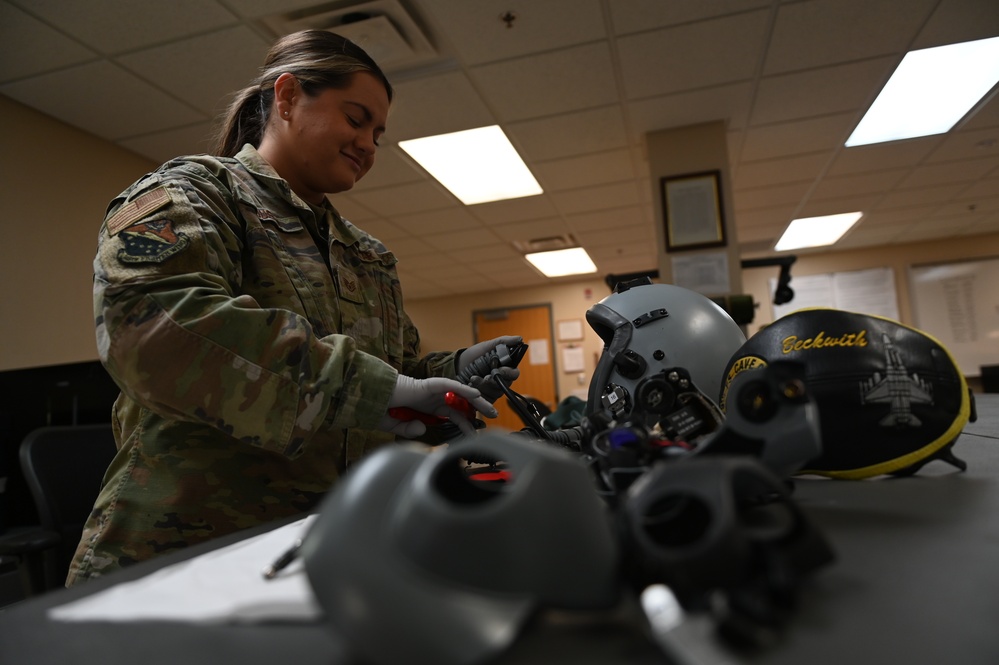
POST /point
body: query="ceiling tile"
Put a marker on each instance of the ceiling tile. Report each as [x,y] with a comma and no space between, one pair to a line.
[923,196]
[929,230]
[747,219]
[405,199]
[986,225]
[514,210]
[204,71]
[798,168]
[725,102]
[858,203]
[438,221]
[385,231]
[585,170]
[892,217]
[479,35]
[415,254]
[459,239]
[969,144]
[496,252]
[796,138]
[352,209]
[980,190]
[392,167]
[255,8]
[958,21]
[864,237]
[433,105]
[649,61]
[984,116]
[979,207]
[32,47]
[850,30]
[555,82]
[161,146]
[949,172]
[494,267]
[769,197]
[620,236]
[819,91]
[640,15]
[893,155]
[118,26]
[107,101]
[598,197]
[533,230]
[867,183]
[758,234]
[569,134]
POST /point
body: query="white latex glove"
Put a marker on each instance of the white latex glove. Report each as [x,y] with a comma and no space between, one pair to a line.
[483,380]
[427,396]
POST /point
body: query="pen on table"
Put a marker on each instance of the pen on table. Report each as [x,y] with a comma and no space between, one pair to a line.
[271,571]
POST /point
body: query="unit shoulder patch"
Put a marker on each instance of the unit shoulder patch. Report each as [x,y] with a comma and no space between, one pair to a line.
[151,242]
[132,211]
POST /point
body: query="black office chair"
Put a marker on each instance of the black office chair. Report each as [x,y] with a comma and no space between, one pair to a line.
[63,467]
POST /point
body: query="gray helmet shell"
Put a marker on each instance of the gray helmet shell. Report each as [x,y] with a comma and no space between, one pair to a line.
[650,328]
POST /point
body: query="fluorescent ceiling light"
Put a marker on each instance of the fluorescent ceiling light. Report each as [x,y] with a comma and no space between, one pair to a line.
[561,262]
[930,91]
[816,231]
[476,165]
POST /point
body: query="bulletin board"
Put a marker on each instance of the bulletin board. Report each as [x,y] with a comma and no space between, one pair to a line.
[958,303]
[869,291]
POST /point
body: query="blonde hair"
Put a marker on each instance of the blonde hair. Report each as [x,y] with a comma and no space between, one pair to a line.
[317,58]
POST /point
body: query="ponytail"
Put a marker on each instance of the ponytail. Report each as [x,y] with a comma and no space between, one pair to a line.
[244,121]
[319,59]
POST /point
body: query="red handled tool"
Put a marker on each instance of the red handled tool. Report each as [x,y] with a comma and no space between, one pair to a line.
[453,400]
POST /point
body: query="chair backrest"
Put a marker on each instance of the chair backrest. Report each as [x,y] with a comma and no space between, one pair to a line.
[63,467]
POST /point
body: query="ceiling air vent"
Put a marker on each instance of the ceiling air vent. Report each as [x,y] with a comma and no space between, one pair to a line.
[549,244]
[383,28]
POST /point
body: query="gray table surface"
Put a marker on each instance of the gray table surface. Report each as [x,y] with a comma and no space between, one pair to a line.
[916,581]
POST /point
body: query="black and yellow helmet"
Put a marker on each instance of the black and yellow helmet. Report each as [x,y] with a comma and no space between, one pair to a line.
[890,397]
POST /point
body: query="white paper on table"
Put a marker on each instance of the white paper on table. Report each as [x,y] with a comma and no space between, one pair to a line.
[222,586]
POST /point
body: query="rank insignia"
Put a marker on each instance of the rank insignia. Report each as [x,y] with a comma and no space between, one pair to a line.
[151,242]
[348,285]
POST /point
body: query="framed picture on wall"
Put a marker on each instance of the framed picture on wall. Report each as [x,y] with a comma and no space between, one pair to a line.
[692,211]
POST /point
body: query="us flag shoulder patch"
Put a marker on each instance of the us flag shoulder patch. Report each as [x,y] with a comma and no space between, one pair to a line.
[134,210]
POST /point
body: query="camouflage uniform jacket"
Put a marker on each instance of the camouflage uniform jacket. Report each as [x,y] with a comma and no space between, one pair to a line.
[256,340]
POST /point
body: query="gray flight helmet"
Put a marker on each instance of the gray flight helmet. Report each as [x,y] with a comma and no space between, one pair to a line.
[650,328]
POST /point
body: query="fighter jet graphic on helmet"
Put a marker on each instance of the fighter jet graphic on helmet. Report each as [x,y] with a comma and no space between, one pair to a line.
[897,388]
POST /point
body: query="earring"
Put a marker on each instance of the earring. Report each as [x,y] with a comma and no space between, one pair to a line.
[286,114]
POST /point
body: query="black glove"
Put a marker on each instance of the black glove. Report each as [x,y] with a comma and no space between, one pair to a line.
[480,377]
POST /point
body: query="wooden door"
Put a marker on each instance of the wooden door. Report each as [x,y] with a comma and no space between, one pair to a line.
[537,369]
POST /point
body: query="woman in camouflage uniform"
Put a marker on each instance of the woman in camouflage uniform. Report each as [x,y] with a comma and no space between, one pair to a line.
[257,336]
